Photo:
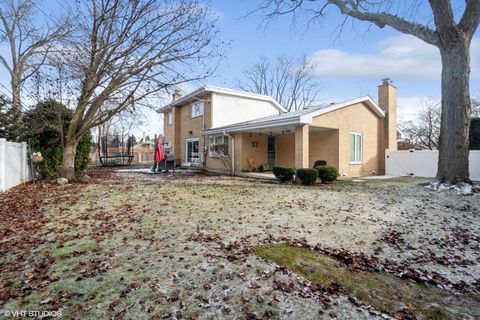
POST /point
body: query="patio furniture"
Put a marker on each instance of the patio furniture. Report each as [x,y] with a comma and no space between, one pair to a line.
[169,163]
[319,163]
[251,163]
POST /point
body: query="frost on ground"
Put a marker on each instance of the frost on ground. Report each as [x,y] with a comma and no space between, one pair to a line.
[133,245]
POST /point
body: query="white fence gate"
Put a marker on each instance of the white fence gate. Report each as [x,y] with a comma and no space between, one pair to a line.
[423,163]
[14,168]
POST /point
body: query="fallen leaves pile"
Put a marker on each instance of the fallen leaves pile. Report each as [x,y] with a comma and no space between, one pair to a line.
[22,230]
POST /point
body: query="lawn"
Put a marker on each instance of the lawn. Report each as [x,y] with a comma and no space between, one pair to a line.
[137,246]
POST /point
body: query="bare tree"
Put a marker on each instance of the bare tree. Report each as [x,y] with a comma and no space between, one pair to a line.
[450,35]
[424,132]
[127,51]
[287,80]
[475,108]
[29,43]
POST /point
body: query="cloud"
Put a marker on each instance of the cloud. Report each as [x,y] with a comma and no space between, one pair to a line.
[402,56]
[408,107]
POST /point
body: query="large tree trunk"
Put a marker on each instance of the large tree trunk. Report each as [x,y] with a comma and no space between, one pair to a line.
[16,107]
[69,152]
[456,104]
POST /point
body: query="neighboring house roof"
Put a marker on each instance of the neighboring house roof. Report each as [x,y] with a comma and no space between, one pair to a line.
[296,117]
[225,91]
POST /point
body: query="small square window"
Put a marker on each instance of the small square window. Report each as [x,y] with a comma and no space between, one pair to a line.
[197,109]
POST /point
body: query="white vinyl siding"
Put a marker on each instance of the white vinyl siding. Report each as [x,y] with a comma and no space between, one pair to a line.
[356,148]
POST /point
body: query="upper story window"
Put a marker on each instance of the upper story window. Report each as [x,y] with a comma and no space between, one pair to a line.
[169,118]
[356,148]
[197,109]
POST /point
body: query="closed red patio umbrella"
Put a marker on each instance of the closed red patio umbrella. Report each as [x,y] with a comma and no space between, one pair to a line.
[159,154]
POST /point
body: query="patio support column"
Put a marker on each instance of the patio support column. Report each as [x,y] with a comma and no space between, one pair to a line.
[301,146]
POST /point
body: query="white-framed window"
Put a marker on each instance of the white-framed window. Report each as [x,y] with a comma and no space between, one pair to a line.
[197,109]
[218,146]
[356,148]
[169,118]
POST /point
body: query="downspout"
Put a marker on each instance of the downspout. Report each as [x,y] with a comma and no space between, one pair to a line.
[233,151]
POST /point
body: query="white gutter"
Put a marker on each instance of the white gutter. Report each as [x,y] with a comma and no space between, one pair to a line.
[233,151]
[224,91]
[277,123]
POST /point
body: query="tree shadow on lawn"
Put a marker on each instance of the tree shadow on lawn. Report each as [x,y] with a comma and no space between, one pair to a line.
[383,291]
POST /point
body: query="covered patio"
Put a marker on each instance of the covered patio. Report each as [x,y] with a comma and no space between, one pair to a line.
[296,146]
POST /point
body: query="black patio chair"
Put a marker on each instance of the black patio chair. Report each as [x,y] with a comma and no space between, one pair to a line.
[319,163]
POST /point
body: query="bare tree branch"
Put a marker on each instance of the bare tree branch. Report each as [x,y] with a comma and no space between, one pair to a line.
[471,18]
[126,51]
[288,81]
[29,43]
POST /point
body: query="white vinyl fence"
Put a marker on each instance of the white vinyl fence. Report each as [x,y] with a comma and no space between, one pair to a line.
[423,163]
[14,168]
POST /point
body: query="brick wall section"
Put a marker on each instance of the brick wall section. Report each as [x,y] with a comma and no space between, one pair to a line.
[169,130]
[248,150]
[324,146]
[302,146]
[183,123]
[356,118]
[387,100]
[286,150]
[243,149]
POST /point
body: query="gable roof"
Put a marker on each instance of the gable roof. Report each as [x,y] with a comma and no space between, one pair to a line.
[296,117]
[225,91]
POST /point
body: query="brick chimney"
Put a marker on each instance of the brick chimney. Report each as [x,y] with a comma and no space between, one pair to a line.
[176,95]
[387,100]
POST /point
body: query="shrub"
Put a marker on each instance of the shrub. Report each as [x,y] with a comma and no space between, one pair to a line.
[307,176]
[284,174]
[82,157]
[327,173]
[45,136]
[474,134]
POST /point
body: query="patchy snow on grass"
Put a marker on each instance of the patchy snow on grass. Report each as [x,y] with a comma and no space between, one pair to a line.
[146,246]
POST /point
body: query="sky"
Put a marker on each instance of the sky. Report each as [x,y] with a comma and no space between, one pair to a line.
[347,65]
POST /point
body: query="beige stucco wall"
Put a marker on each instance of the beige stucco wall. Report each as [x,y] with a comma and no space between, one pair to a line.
[356,118]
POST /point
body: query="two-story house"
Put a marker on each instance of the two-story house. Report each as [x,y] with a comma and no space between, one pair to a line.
[225,131]
[187,117]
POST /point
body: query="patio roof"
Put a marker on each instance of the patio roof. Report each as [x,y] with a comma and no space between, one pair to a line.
[288,120]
